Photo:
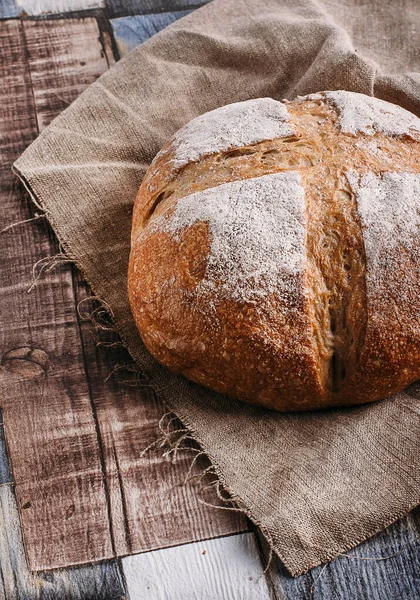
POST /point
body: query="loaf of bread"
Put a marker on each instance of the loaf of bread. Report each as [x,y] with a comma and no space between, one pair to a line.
[275,251]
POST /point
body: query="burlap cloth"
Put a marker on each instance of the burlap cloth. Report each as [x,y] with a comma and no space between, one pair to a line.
[316,483]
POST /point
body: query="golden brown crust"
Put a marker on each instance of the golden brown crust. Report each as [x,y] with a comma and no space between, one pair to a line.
[328,348]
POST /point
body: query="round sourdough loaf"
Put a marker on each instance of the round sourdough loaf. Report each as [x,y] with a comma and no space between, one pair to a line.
[275,251]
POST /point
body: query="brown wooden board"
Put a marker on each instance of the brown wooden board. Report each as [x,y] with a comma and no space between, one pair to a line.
[66,426]
[49,427]
[152,507]
[384,567]
[100,581]
[65,56]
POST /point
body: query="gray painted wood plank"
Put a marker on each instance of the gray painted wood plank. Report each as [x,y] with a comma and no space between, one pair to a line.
[34,8]
[8,9]
[385,567]
[129,32]
[102,581]
[41,7]
[123,8]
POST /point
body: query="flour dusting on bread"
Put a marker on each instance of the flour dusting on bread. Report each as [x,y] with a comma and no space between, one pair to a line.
[231,126]
[389,210]
[257,233]
[365,114]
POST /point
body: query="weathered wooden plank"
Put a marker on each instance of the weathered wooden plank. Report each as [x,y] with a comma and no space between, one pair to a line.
[42,7]
[152,506]
[48,421]
[123,8]
[129,32]
[101,581]
[385,566]
[227,568]
[65,56]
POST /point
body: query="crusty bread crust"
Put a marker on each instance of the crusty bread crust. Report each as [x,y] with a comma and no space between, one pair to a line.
[337,342]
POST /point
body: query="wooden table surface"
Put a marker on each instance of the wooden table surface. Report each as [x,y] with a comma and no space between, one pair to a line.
[84,513]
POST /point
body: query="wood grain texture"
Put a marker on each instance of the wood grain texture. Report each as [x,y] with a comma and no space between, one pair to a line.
[65,56]
[123,8]
[129,32]
[386,566]
[42,7]
[102,581]
[48,421]
[149,505]
[227,568]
